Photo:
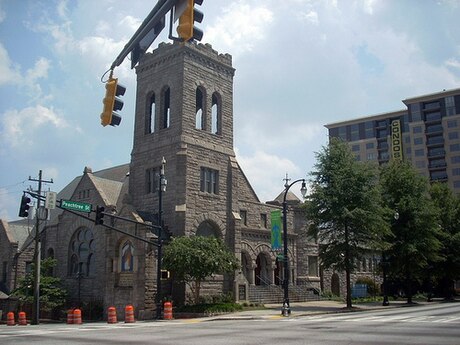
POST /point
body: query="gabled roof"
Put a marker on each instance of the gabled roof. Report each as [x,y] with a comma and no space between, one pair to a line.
[17,231]
[291,198]
[108,189]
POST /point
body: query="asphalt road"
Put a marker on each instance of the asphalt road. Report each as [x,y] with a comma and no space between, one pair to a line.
[437,324]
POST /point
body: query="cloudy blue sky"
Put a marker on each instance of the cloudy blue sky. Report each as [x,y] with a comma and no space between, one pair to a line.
[299,65]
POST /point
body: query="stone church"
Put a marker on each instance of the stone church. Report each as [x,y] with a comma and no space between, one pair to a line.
[184,114]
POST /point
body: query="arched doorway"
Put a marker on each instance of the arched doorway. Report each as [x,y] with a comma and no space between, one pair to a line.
[262,270]
[335,284]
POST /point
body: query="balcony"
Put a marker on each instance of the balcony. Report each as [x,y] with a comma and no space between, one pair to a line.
[438,152]
[435,141]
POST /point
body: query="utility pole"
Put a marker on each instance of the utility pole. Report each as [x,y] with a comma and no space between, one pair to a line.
[37,256]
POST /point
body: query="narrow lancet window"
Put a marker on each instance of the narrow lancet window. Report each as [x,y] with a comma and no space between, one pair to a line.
[215,114]
[199,115]
[166,108]
[150,119]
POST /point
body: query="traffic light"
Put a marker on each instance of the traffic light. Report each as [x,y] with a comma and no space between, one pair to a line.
[99,220]
[186,29]
[112,103]
[24,207]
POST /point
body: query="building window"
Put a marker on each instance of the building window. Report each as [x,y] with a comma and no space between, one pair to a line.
[150,118]
[418,141]
[355,148]
[127,257]
[313,266]
[81,253]
[166,98]
[455,159]
[199,111]
[431,105]
[417,129]
[450,105]
[151,180]
[369,129]
[28,267]
[415,112]
[434,116]
[451,123]
[343,133]
[456,172]
[455,147]
[456,184]
[371,156]
[369,146]
[216,113]
[419,152]
[209,180]
[354,132]
[453,135]
[263,220]
[244,217]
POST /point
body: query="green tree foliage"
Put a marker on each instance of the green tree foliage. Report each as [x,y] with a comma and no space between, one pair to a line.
[193,259]
[448,269]
[415,228]
[344,208]
[52,295]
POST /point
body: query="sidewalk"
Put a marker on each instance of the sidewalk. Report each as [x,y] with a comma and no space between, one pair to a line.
[308,308]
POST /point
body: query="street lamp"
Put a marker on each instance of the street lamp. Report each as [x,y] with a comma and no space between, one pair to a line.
[286,310]
[384,270]
[162,188]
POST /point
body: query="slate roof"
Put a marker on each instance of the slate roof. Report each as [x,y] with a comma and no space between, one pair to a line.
[18,231]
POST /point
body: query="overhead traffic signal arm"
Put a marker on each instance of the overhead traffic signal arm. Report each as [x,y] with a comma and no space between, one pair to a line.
[112,103]
[99,220]
[186,28]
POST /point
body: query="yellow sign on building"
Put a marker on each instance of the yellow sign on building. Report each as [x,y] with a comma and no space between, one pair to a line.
[396,140]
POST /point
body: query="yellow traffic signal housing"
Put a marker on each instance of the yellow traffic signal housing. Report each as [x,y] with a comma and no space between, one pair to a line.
[186,28]
[112,103]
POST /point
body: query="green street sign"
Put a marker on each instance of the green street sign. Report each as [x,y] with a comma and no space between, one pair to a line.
[76,206]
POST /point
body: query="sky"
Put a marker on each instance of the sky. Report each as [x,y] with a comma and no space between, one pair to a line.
[300,64]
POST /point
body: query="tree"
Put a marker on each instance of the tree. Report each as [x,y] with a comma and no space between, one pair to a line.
[52,295]
[344,208]
[193,259]
[415,229]
[448,269]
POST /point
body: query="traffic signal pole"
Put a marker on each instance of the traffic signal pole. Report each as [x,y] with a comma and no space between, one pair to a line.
[37,255]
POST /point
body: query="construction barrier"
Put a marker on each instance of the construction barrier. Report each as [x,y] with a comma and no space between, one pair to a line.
[129,314]
[10,319]
[22,319]
[167,311]
[77,317]
[70,316]
[112,315]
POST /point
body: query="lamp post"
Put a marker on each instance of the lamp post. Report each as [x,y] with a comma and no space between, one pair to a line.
[162,188]
[286,309]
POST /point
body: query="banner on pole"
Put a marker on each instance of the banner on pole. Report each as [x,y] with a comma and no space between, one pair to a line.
[276,239]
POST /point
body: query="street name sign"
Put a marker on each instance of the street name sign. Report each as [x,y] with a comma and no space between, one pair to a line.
[76,206]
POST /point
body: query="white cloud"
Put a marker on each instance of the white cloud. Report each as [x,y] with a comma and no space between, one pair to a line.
[239,27]
[266,171]
[19,127]
[453,62]
[9,72]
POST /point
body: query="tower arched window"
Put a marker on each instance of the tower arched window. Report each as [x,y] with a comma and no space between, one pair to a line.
[216,117]
[151,115]
[166,100]
[81,253]
[200,108]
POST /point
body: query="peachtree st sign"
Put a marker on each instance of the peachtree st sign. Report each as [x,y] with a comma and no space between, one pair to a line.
[76,206]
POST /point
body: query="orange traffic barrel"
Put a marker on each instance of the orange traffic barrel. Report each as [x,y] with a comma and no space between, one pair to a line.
[167,311]
[77,317]
[112,315]
[70,316]
[10,319]
[129,314]
[22,319]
